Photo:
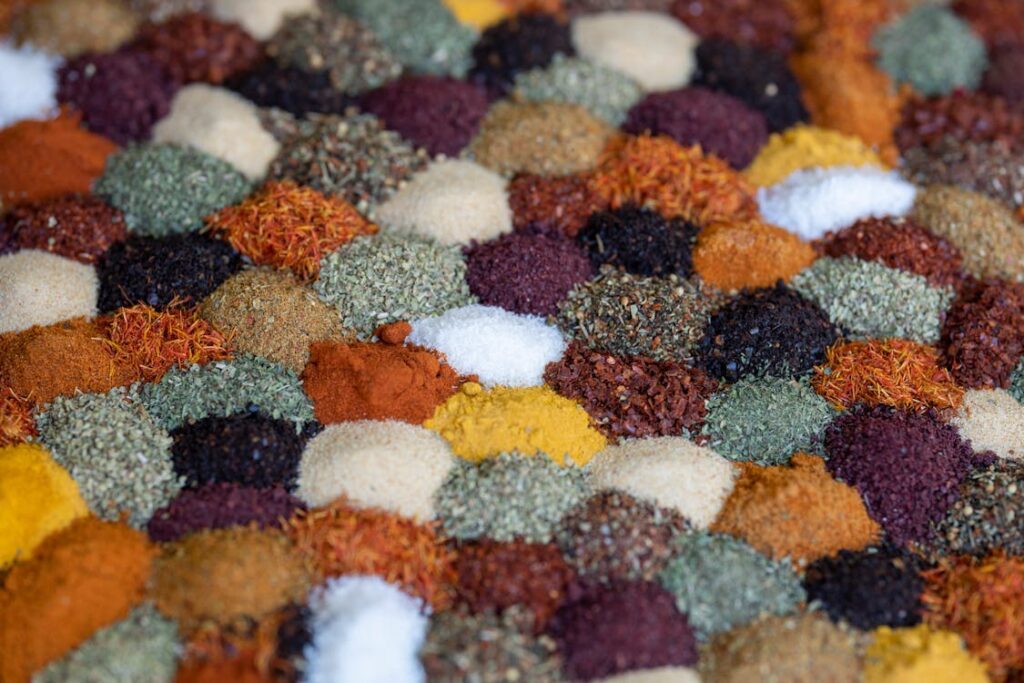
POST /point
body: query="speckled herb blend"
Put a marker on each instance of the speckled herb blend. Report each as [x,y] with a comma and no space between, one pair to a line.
[986,516]
[605,93]
[518,43]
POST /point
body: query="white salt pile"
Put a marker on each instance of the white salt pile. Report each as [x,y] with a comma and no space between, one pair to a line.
[498,346]
[993,421]
[28,84]
[391,465]
[366,630]
[812,201]
[451,201]
[653,48]
[40,288]
[260,18]
[669,471]
[222,124]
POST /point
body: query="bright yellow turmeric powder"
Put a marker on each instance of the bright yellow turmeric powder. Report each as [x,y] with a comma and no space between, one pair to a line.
[805,146]
[920,655]
[477,13]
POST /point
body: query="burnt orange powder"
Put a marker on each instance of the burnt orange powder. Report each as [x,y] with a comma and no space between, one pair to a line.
[740,254]
[45,159]
[79,580]
[365,381]
[798,511]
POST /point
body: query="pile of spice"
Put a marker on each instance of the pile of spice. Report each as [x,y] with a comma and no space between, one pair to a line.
[1003,77]
[804,146]
[40,288]
[34,92]
[984,517]
[16,421]
[80,227]
[288,90]
[961,115]
[71,27]
[220,506]
[639,241]
[991,168]
[767,25]
[519,43]
[990,420]
[559,205]
[982,337]
[920,654]
[737,254]
[606,93]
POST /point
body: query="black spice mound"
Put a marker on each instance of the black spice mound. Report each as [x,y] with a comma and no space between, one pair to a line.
[869,588]
[217,506]
[720,123]
[526,273]
[156,270]
[759,78]
[519,43]
[773,331]
[438,114]
[248,449]
[606,630]
[987,516]
[296,91]
[640,241]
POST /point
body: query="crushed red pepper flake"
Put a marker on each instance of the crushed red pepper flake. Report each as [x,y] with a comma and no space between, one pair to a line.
[983,336]
[962,115]
[559,204]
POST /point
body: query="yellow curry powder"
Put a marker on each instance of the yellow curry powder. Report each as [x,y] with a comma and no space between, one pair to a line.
[804,146]
[920,655]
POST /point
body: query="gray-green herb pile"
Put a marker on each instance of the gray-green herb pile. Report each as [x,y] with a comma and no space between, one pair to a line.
[604,92]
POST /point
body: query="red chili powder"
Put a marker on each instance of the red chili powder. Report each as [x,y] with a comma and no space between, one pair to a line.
[749,254]
[16,422]
[80,227]
[365,381]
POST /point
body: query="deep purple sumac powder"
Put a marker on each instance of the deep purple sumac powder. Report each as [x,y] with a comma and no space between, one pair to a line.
[438,114]
[217,506]
[720,123]
[526,273]
[519,43]
[640,241]
[603,630]
[983,336]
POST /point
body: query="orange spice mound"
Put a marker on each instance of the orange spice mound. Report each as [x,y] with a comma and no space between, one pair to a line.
[156,341]
[16,423]
[343,540]
[843,24]
[798,511]
[676,181]
[80,579]
[891,372]
[289,226]
[243,667]
[983,601]
[739,254]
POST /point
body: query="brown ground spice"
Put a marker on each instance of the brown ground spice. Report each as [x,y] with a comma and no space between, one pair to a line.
[960,115]
[558,204]
[240,573]
[80,227]
[798,511]
[71,27]
[366,381]
[1000,23]
[739,254]
[995,169]
[842,24]
[269,313]
[79,580]
[983,336]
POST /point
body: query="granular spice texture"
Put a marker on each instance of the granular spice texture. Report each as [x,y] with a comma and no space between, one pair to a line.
[16,422]
[519,43]
[737,254]
[606,630]
[639,241]
[983,336]
[766,25]
[288,89]
[1005,75]
[604,92]
[991,168]
[80,227]
[986,516]
[556,204]
[961,115]
[219,506]
[920,654]
[804,146]
[71,27]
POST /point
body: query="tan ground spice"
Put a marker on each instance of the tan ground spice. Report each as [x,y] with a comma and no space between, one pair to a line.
[71,27]
[798,511]
[738,254]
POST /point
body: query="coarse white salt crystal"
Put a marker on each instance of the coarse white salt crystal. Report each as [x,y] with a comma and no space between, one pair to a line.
[664,674]
[451,201]
[260,18]
[992,420]
[812,201]
[366,630]
[669,471]
[653,48]
[391,465]
[40,288]
[223,125]
[28,84]
[499,347]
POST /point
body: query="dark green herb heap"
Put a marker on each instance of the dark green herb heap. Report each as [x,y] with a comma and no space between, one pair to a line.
[640,241]
[518,43]
[987,515]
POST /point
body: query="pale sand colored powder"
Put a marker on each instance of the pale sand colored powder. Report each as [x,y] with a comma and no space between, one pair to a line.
[664,674]
[261,18]
[40,288]
[993,421]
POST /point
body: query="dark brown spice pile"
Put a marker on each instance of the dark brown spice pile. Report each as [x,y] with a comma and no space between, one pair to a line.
[640,241]
[632,397]
[766,24]
[559,204]
[518,43]
[217,506]
[80,227]
[1005,75]
[993,168]
[1000,23]
[987,516]
[983,336]
[962,115]
[294,90]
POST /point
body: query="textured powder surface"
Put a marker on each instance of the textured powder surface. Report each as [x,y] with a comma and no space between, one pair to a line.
[640,241]
[40,288]
[661,674]
[30,84]
[804,146]
[920,654]
[389,465]
[671,472]
[605,92]
[734,255]
[991,420]
[219,506]
[260,18]
[499,347]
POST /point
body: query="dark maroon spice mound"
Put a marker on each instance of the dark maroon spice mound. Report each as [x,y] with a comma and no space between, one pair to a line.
[773,331]
[766,24]
[761,79]
[1000,23]
[156,270]
[494,576]
[249,449]
[983,335]
[907,468]
[439,114]
[196,48]
[898,243]
[518,43]
[557,204]
[632,397]
[217,506]
[641,241]
[121,95]
[963,115]
[606,630]
[80,227]
[868,588]
[1005,76]
[296,91]
[526,273]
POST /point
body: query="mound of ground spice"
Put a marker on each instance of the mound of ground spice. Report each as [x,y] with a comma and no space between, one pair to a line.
[495,576]
[194,47]
[737,254]
[364,381]
[247,449]
[605,92]
[556,204]
[293,90]
[639,241]
[519,43]
[799,512]
[42,160]
[80,227]
[603,630]
[921,654]
[16,422]
[79,580]
[340,540]
[71,27]
[804,146]
[870,449]
[961,115]
[766,25]
[1005,75]
[242,573]
[991,168]
[160,270]
[676,181]
[219,506]
[983,336]
[985,516]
